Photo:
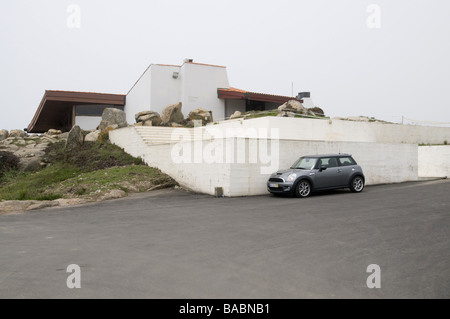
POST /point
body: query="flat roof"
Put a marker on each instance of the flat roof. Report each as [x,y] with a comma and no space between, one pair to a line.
[56,108]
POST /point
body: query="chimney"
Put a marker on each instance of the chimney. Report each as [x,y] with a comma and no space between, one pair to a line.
[303,95]
[307,100]
[188,60]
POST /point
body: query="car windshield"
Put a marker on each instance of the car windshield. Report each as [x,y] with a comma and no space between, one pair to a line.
[305,163]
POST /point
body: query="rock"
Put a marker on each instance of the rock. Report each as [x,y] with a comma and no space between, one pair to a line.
[20,142]
[236,115]
[75,139]
[114,194]
[317,111]
[139,124]
[172,113]
[293,106]
[175,125]
[92,137]
[201,115]
[358,118]
[70,202]
[41,205]
[53,132]
[111,117]
[146,116]
[3,135]
[110,128]
[64,136]
[30,165]
[17,133]
[287,114]
[14,206]
[291,114]
[147,123]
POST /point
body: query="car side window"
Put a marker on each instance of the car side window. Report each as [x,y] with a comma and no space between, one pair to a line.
[346,161]
[328,162]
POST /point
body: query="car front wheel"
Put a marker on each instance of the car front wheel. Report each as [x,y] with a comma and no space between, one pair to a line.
[303,189]
[357,184]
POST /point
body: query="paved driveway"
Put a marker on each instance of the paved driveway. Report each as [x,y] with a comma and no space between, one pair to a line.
[172,244]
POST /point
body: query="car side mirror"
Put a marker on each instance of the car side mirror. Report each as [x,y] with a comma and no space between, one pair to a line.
[321,169]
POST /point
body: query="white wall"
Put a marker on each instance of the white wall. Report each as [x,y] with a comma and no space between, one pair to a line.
[201,177]
[200,84]
[381,162]
[88,123]
[165,90]
[345,131]
[139,97]
[434,161]
[196,87]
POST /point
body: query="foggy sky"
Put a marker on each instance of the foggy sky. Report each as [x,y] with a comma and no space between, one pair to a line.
[323,46]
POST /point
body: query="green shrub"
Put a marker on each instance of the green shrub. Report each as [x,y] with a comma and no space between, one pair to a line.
[8,162]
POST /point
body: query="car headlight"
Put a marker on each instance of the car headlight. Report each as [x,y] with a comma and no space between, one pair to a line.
[292,177]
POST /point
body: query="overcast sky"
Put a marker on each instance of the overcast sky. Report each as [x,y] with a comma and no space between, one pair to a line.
[351,67]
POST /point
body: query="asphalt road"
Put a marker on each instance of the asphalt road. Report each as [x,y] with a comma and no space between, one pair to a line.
[172,244]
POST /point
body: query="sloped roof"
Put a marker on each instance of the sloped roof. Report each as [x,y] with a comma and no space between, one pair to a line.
[56,108]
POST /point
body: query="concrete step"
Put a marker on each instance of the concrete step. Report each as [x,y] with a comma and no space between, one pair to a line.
[164,135]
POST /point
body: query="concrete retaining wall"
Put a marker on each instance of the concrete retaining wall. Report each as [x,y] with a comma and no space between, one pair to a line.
[247,174]
[434,161]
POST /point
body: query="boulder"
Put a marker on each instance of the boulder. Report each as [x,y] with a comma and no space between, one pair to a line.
[146,123]
[32,165]
[172,113]
[3,135]
[63,136]
[92,137]
[53,132]
[236,115]
[114,194]
[147,116]
[17,133]
[317,111]
[201,115]
[111,117]
[75,139]
[293,106]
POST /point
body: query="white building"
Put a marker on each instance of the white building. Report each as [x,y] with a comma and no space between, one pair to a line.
[196,85]
[193,84]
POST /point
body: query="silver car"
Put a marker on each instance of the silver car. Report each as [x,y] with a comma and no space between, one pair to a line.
[318,172]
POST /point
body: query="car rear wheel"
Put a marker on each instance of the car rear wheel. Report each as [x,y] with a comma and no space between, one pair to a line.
[303,189]
[357,184]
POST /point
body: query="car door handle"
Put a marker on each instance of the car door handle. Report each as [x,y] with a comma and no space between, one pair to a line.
[339,171]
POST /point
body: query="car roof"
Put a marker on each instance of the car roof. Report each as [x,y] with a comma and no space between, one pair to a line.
[327,155]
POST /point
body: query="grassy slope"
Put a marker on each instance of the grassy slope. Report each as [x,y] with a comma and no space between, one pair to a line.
[88,172]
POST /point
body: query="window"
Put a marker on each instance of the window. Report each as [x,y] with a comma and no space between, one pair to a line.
[328,162]
[93,110]
[346,161]
[305,163]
